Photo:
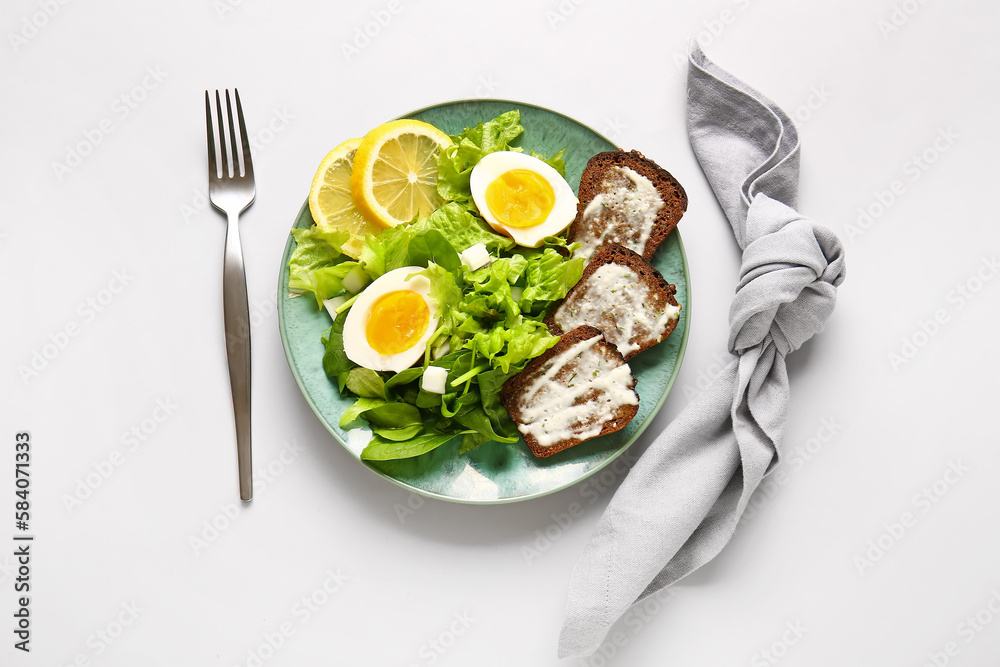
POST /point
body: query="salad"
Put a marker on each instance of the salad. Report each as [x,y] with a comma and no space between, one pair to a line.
[437,258]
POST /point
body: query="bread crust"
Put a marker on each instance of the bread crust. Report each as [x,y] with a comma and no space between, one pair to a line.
[591,184]
[612,253]
[515,386]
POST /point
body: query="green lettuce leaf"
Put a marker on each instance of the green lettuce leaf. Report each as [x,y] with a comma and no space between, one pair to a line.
[447,294]
[556,161]
[386,251]
[549,276]
[526,340]
[471,441]
[315,248]
[327,281]
[491,297]
[454,225]
[464,230]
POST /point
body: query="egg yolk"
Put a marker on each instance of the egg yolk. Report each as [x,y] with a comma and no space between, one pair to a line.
[396,321]
[520,198]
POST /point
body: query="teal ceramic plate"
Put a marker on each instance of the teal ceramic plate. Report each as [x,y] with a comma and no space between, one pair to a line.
[495,472]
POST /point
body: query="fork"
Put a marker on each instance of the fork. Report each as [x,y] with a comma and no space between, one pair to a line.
[231,193]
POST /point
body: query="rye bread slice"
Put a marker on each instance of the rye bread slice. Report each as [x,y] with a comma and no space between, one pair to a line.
[615,221]
[630,301]
[558,401]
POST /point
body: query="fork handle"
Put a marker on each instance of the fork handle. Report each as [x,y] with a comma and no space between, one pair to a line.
[236,309]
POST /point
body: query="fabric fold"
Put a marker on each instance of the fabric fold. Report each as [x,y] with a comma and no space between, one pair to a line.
[680,504]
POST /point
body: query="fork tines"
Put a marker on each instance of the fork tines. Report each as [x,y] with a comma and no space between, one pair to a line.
[229,169]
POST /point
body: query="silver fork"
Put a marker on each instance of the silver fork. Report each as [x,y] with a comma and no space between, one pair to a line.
[232,192]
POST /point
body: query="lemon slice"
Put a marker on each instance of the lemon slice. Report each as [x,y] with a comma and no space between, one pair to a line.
[395,172]
[330,200]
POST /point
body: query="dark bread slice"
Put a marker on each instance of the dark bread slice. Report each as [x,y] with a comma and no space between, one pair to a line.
[640,298]
[598,177]
[518,399]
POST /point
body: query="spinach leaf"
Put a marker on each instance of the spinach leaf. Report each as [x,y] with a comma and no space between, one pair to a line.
[477,420]
[432,246]
[335,360]
[427,399]
[470,441]
[393,415]
[399,434]
[490,384]
[361,406]
[366,383]
[381,449]
[402,378]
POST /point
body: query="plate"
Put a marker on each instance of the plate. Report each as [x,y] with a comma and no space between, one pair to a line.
[495,472]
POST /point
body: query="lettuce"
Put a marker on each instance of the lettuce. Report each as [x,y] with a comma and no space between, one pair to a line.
[311,265]
[386,251]
[491,296]
[464,230]
[391,249]
[556,161]
[549,276]
[490,383]
[453,318]
[519,343]
[479,312]
[327,281]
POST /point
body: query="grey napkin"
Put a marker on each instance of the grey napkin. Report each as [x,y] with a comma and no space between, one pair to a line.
[680,504]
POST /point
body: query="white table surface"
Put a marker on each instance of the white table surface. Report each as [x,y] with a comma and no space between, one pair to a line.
[123,250]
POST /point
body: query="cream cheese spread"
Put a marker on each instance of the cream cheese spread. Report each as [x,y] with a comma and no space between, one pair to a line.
[615,301]
[628,208]
[551,413]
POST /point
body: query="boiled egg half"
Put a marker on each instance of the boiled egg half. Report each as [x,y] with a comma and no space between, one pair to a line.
[522,197]
[388,327]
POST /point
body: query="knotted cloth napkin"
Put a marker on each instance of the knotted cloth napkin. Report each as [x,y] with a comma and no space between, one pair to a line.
[680,503]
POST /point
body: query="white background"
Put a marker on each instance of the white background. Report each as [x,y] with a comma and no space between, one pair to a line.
[868,100]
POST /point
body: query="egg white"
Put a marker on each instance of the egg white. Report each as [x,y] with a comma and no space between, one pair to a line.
[494,165]
[356,340]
